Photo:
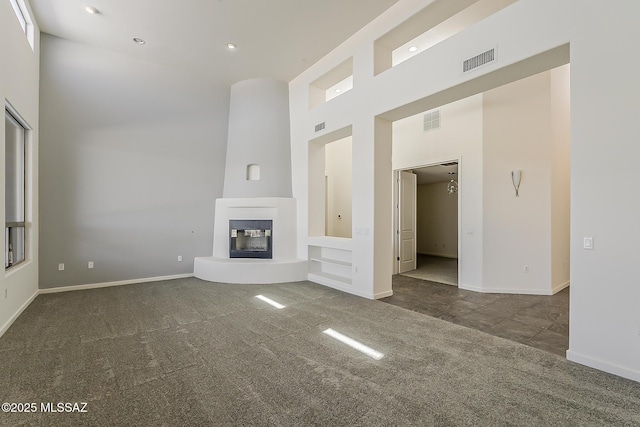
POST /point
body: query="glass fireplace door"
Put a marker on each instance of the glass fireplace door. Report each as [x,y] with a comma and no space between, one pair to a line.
[250,238]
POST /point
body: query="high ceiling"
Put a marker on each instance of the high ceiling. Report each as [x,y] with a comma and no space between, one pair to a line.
[275,38]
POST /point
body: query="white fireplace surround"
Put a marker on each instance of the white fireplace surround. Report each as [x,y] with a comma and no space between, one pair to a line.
[283,267]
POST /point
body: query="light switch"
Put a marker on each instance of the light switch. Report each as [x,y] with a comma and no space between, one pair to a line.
[588,243]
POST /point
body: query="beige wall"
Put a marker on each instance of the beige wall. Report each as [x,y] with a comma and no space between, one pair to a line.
[437,220]
[518,233]
[517,230]
[560,175]
[338,175]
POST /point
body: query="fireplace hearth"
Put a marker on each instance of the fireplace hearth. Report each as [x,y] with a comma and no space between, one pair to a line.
[250,238]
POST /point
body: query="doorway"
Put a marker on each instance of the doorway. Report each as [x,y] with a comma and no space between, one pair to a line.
[428,222]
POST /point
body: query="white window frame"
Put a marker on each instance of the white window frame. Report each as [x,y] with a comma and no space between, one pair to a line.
[24,18]
[26,194]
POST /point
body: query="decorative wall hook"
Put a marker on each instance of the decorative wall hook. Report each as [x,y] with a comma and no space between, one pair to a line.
[516,177]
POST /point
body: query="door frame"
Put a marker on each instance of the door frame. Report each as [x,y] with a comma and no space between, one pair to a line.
[396,209]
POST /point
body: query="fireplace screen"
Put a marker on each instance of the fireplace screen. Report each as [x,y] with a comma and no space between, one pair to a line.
[250,238]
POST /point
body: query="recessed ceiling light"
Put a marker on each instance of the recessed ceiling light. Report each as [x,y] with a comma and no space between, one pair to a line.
[91,10]
[231,46]
[338,90]
[413,49]
[139,40]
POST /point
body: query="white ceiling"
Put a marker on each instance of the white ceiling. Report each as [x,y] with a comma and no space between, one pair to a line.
[436,173]
[276,38]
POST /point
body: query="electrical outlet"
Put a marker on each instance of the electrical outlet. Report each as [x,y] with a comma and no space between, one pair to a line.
[61,267]
[179,258]
[90,264]
[525,268]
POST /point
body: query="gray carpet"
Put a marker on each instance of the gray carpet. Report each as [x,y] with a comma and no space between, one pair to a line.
[188,352]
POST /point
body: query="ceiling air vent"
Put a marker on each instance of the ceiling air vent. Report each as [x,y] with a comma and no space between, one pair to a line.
[319,127]
[478,60]
[449,164]
[432,120]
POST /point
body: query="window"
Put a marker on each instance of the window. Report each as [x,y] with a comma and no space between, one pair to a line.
[14,229]
[22,13]
[332,84]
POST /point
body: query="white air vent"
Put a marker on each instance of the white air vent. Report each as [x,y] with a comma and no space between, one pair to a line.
[432,120]
[479,60]
[319,126]
[449,164]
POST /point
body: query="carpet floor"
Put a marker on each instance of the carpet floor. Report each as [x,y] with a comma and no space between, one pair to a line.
[188,352]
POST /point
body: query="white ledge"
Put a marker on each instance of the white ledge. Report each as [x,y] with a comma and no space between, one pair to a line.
[250,270]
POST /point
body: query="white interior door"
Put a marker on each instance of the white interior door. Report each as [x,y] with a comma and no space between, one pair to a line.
[407,214]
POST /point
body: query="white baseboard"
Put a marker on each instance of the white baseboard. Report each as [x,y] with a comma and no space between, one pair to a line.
[557,288]
[383,294]
[344,287]
[509,290]
[603,366]
[470,287]
[13,318]
[108,284]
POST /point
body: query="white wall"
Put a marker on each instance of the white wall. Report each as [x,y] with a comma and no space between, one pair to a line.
[258,134]
[604,112]
[437,220]
[132,160]
[19,85]
[429,79]
[458,138]
[605,320]
[338,168]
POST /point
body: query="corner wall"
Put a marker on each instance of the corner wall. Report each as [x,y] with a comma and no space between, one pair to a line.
[19,85]
[560,176]
[338,167]
[133,157]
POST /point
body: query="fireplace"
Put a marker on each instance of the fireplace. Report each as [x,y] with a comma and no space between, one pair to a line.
[281,264]
[250,238]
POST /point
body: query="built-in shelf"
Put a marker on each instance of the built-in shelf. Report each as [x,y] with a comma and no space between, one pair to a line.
[330,261]
[330,242]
